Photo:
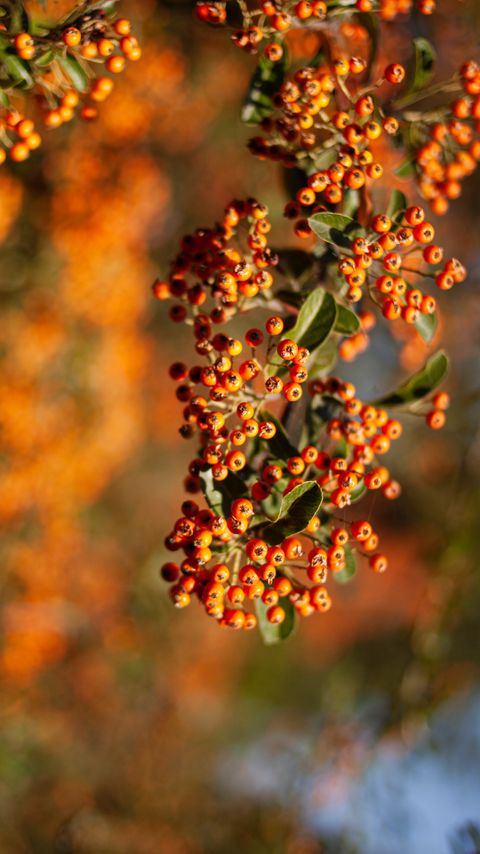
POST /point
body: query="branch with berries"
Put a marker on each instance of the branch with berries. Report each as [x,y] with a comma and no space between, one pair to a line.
[286,449]
[48,74]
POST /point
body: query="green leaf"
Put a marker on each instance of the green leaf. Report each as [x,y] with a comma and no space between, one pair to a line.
[280,446]
[4,99]
[18,70]
[331,227]
[296,510]
[350,569]
[266,80]
[406,169]
[315,320]
[420,67]
[293,298]
[294,261]
[324,358]
[274,633]
[45,59]
[420,384]
[426,326]
[358,493]
[347,322]
[74,71]
[397,204]
[219,494]
[294,179]
[20,22]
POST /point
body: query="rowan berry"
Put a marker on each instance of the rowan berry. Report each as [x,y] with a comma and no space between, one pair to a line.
[361,530]
[19,152]
[115,64]
[276,614]
[72,36]
[436,419]
[395,73]
[378,562]
[274,52]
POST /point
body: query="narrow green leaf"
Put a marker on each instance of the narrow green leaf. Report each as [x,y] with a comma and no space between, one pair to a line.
[420,67]
[45,59]
[406,169]
[420,384]
[74,71]
[266,80]
[426,326]
[347,322]
[219,494]
[274,633]
[18,70]
[397,204]
[296,511]
[20,22]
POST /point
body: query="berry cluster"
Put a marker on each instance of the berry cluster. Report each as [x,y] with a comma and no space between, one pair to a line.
[292,574]
[280,486]
[240,549]
[60,66]
[319,120]
[269,21]
[220,267]
[235,382]
[377,264]
[450,150]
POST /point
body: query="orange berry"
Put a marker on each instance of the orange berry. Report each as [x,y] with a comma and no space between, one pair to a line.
[19,152]
[276,615]
[394,73]
[115,64]
[72,37]
[378,562]
[122,27]
[436,419]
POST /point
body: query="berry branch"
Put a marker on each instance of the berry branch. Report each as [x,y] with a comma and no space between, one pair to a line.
[286,448]
[47,73]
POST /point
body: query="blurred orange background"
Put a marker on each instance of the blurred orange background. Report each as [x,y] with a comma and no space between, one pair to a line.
[118,712]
